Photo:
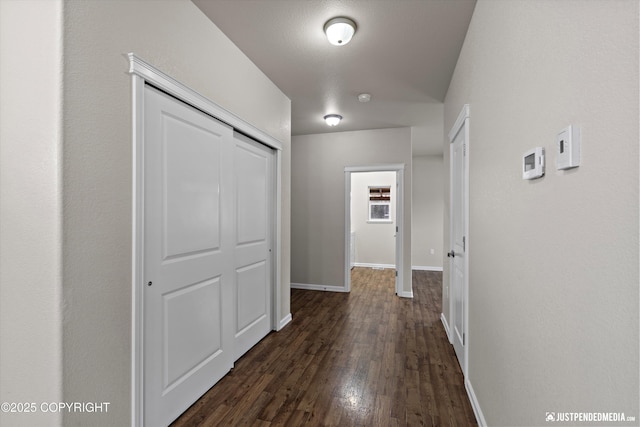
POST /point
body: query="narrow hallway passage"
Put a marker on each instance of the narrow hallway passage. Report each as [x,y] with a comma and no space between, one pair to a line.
[367,358]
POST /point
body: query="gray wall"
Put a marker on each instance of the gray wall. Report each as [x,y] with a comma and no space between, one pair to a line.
[553,280]
[30,208]
[426,137]
[427,211]
[94,180]
[317,198]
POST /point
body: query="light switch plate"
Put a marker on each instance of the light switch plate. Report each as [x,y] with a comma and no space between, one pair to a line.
[568,148]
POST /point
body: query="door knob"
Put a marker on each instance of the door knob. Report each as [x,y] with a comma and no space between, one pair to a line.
[451,254]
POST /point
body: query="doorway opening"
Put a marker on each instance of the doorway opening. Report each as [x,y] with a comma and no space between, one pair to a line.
[374,219]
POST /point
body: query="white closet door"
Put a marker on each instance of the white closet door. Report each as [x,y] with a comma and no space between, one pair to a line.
[254,177]
[189,220]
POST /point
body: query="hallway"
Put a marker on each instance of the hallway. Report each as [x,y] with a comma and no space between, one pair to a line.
[366,358]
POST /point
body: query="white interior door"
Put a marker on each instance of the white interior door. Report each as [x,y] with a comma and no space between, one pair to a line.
[254,178]
[458,252]
[188,255]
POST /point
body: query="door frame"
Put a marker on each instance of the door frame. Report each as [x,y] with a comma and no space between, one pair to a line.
[461,125]
[399,170]
[142,73]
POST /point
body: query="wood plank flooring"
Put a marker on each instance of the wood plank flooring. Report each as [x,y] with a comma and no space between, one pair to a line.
[367,358]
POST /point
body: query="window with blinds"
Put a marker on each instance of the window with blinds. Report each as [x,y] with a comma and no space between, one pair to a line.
[380,204]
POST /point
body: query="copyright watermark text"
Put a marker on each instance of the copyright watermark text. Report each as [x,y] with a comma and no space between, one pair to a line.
[588,417]
[54,407]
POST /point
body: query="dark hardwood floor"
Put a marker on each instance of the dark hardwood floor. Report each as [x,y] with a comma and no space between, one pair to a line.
[367,358]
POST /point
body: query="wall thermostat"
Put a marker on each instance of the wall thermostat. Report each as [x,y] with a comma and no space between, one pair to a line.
[568,148]
[533,163]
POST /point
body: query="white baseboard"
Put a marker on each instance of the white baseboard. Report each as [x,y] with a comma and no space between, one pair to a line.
[426,268]
[311,287]
[446,326]
[474,404]
[370,265]
[406,294]
[284,321]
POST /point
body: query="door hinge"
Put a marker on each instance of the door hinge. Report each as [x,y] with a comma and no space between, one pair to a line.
[464,244]
[396,228]
[396,273]
[464,149]
[464,336]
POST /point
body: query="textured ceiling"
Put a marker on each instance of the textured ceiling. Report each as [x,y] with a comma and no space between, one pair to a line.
[403,54]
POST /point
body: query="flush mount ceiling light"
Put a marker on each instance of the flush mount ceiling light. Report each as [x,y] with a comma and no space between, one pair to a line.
[332,119]
[339,30]
[364,97]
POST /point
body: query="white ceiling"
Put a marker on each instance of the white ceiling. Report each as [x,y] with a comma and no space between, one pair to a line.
[403,54]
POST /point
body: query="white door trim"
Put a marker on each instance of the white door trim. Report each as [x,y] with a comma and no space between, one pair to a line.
[399,169]
[168,84]
[141,74]
[461,124]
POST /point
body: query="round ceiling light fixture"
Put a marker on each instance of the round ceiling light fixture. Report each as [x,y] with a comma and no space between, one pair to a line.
[364,97]
[332,119]
[339,30]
